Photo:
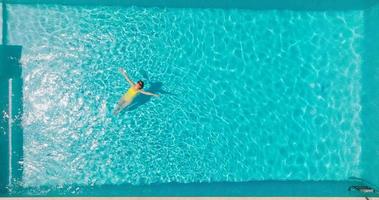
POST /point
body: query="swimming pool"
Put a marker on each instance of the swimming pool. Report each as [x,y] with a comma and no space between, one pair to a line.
[256,99]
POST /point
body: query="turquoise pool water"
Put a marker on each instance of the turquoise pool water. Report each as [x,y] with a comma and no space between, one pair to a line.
[271,98]
[245,95]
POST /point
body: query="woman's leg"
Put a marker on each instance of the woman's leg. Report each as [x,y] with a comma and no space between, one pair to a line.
[120,105]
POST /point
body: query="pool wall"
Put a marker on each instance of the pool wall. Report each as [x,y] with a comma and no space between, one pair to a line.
[10,68]
[370,97]
[10,74]
[241,4]
[1,23]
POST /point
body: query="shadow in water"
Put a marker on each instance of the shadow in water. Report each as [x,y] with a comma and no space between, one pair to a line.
[155,87]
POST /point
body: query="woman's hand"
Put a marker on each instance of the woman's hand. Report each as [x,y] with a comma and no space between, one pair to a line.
[122,71]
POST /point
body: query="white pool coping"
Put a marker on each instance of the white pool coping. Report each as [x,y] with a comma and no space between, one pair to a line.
[187,198]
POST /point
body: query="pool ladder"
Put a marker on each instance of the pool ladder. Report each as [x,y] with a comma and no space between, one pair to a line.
[362,189]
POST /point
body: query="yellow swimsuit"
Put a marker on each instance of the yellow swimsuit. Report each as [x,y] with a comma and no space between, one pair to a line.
[130,94]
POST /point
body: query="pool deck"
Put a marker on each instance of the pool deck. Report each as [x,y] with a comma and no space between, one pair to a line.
[187,198]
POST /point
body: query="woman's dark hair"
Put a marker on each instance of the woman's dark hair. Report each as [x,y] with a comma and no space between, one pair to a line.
[140,83]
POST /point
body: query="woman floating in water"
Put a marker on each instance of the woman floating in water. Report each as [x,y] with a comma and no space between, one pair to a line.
[132,92]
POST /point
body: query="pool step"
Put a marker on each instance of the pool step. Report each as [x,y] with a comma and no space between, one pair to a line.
[10,83]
